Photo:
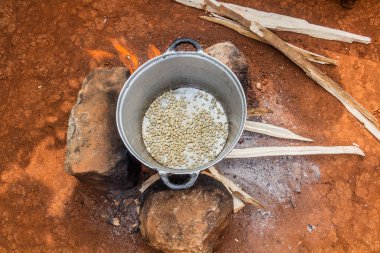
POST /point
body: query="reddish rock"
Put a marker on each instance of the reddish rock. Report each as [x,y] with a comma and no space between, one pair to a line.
[95,153]
[230,55]
[185,221]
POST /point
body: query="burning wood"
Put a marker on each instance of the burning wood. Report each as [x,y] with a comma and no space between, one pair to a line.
[153,51]
[100,55]
[124,53]
[240,198]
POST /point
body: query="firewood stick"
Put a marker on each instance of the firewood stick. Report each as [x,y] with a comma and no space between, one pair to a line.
[239,196]
[237,202]
[260,111]
[356,109]
[244,31]
[235,190]
[280,22]
[152,179]
[292,151]
[272,130]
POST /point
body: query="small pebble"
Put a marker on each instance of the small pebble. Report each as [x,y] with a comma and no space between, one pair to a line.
[115,222]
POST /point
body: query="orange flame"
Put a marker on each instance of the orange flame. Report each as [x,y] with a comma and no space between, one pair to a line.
[124,52]
[100,55]
[126,56]
[153,51]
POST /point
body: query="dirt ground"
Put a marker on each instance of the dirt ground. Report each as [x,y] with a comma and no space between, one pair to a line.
[43,60]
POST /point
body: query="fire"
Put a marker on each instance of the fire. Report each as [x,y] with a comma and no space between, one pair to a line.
[126,56]
[100,55]
[124,53]
[153,51]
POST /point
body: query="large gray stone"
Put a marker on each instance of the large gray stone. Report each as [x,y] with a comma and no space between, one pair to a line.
[186,221]
[95,153]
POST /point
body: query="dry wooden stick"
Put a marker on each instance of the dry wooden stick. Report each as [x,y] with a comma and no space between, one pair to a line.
[272,130]
[356,109]
[279,22]
[149,182]
[258,111]
[237,202]
[244,31]
[291,151]
[235,190]
[239,196]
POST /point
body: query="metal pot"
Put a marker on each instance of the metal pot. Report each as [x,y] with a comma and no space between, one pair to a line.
[173,70]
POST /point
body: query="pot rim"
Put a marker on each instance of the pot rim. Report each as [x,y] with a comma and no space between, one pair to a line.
[156,60]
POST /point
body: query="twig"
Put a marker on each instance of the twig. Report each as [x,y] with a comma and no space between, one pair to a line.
[291,151]
[149,182]
[239,196]
[242,30]
[356,109]
[237,203]
[272,130]
[235,190]
[258,111]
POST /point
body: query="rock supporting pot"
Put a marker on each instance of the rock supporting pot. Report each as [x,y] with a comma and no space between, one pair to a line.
[185,221]
[95,153]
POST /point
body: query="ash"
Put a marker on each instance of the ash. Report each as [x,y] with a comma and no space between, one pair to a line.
[269,178]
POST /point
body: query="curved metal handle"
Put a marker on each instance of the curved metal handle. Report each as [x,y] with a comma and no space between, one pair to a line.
[165,178]
[181,41]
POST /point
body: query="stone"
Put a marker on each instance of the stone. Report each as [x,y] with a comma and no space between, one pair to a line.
[95,154]
[185,221]
[230,55]
[115,222]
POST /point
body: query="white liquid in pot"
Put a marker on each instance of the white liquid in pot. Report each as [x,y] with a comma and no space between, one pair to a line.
[185,128]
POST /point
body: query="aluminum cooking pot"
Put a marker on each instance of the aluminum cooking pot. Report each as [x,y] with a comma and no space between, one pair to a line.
[172,70]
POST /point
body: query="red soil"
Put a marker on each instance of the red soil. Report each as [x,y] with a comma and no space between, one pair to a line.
[43,61]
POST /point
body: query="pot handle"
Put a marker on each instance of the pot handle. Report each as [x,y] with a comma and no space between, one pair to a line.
[181,41]
[165,178]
